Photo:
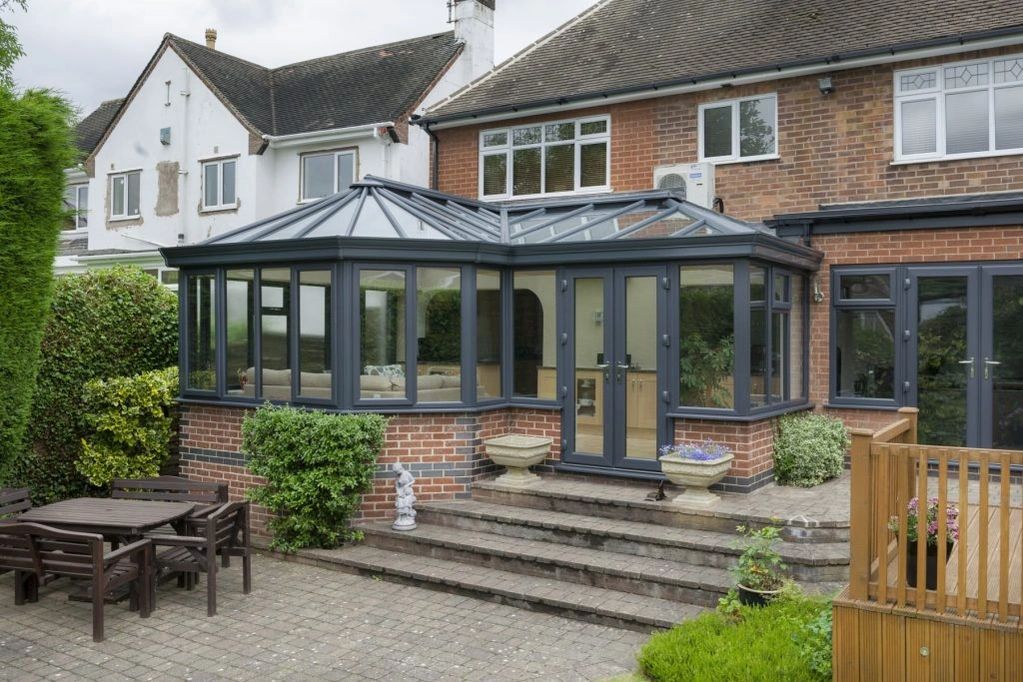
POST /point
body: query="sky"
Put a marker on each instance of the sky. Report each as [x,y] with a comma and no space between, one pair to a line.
[93,50]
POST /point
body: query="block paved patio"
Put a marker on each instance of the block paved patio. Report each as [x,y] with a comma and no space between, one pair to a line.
[305,622]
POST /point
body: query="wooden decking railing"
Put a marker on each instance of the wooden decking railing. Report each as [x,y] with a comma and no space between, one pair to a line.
[979,575]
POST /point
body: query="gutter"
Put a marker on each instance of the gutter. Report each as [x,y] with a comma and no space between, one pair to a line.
[801,67]
[332,135]
[434,154]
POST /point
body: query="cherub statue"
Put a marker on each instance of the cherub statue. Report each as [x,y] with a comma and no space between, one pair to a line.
[405,498]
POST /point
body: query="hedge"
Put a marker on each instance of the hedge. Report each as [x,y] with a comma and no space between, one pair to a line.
[102,324]
[317,467]
[809,449]
[35,136]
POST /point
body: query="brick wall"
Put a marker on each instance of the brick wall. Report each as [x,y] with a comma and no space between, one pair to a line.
[752,443]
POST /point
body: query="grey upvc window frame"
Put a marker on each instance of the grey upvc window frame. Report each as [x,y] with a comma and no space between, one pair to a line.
[411,343]
[508,356]
[185,333]
[786,402]
[295,334]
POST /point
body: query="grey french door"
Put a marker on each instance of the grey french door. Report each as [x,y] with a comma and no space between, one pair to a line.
[612,366]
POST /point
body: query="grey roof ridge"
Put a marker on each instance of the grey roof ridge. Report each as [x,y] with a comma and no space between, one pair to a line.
[273,102]
[359,50]
[542,40]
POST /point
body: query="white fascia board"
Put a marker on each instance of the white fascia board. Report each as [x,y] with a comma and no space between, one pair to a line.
[319,136]
[745,79]
[135,258]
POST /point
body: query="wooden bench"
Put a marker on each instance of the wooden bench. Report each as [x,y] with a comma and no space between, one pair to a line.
[13,501]
[34,551]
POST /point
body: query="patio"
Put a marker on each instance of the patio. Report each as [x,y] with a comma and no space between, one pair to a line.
[304,622]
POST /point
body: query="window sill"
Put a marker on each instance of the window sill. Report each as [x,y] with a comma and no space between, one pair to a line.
[955,157]
[606,189]
[233,208]
[124,219]
[751,159]
[882,407]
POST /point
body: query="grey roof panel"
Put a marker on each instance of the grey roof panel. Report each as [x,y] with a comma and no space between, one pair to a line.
[91,128]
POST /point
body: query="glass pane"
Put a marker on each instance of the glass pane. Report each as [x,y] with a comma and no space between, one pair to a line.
[559,131]
[527,135]
[488,334]
[865,353]
[117,203]
[495,174]
[917,81]
[593,165]
[966,75]
[592,127]
[1009,70]
[1007,375]
[779,355]
[275,339]
[133,193]
[941,345]
[966,122]
[781,288]
[560,168]
[919,127]
[439,334]
[82,219]
[202,333]
[797,324]
[534,330]
[1009,118]
[498,139]
[756,127]
[314,334]
[169,276]
[382,331]
[228,183]
[587,376]
[241,313]
[345,171]
[758,357]
[317,176]
[372,222]
[717,131]
[640,379]
[707,336]
[859,287]
[526,172]
[210,185]
[757,283]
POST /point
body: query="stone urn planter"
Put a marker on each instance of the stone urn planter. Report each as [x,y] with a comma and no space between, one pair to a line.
[517,453]
[696,471]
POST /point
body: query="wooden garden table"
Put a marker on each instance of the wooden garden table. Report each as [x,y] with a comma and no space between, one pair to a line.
[114,519]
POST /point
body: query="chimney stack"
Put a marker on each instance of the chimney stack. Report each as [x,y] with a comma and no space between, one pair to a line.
[474,27]
[211,38]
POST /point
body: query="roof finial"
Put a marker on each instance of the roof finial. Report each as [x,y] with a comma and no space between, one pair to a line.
[211,38]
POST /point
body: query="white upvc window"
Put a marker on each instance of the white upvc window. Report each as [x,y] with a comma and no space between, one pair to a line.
[543,159]
[959,110]
[76,198]
[218,185]
[739,130]
[325,173]
[125,191]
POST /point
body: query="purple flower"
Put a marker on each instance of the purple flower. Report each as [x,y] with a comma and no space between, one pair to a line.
[705,451]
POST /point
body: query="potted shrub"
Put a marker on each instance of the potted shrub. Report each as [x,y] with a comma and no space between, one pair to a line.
[931,529]
[697,466]
[760,573]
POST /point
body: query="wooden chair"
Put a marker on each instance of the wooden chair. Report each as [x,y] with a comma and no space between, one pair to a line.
[34,551]
[223,532]
[13,501]
[171,489]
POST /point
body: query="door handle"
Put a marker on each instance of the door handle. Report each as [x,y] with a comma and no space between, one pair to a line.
[972,364]
[620,368]
[603,366]
[988,364]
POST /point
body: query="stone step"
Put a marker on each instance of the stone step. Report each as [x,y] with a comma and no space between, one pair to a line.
[819,514]
[808,562]
[661,578]
[582,602]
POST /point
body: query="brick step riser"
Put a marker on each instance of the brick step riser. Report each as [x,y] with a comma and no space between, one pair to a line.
[716,558]
[658,517]
[648,586]
[620,621]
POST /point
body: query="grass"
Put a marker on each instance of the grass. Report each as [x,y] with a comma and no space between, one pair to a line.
[761,644]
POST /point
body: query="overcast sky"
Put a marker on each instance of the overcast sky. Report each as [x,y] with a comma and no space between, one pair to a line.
[93,50]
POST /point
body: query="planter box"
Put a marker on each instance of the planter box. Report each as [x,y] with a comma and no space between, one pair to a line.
[696,476]
[517,453]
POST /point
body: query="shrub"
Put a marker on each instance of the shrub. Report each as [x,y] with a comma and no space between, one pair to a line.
[814,642]
[317,466]
[809,449]
[102,324]
[760,566]
[35,136]
[757,644]
[133,426]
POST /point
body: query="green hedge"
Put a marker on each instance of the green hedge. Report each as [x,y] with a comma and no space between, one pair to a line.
[317,467]
[102,324]
[36,144]
[133,426]
[809,449]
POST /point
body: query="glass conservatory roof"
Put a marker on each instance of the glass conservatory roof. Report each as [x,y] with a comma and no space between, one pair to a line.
[386,209]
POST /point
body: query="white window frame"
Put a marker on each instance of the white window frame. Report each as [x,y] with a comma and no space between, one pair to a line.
[578,141]
[354,153]
[219,163]
[937,94]
[77,188]
[735,157]
[123,214]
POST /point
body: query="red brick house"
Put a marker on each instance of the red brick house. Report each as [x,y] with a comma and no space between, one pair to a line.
[823,206]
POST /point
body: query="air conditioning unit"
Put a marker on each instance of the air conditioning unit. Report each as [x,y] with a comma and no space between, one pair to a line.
[694,180]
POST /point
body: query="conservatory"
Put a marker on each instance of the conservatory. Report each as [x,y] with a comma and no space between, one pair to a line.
[624,314]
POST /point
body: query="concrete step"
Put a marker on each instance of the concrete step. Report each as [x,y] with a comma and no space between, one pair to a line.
[582,602]
[650,577]
[808,562]
[820,514]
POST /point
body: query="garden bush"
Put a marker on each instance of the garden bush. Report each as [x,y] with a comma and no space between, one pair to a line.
[809,449]
[746,645]
[317,467]
[133,426]
[102,324]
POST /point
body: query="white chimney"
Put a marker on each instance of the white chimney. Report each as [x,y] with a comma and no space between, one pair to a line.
[474,26]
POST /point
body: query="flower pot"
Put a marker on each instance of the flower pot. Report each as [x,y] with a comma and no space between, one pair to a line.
[696,476]
[930,562]
[517,453]
[750,597]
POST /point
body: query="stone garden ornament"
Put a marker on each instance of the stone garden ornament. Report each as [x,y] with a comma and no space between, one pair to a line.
[405,498]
